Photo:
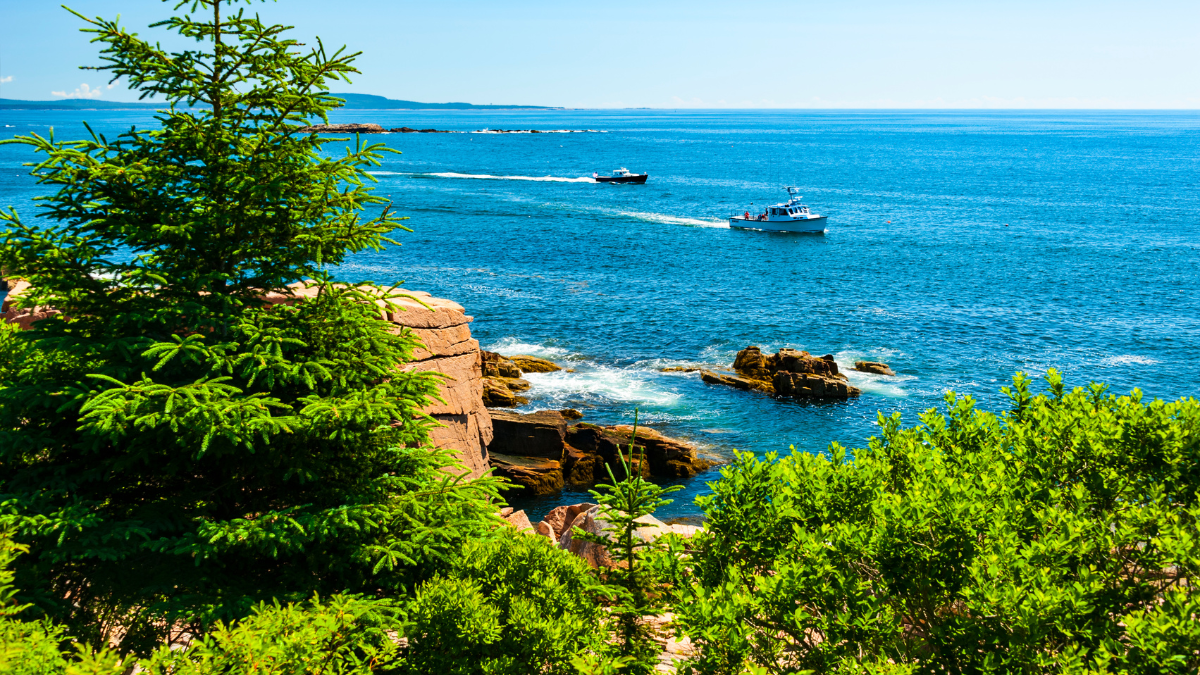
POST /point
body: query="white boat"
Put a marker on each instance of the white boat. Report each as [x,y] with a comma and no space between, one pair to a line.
[791,216]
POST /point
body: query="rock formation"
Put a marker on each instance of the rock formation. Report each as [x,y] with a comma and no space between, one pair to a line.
[342,129]
[790,373]
[22,317]
[533,364]
[540,453]
[502,381]
[502,378]
[587,517]
[445,331]
[876,367]
[365,129]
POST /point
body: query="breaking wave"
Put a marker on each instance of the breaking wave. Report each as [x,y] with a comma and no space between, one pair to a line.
[1129,360]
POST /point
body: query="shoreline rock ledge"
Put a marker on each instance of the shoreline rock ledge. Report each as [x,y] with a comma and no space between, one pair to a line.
[540,453]
[789,373]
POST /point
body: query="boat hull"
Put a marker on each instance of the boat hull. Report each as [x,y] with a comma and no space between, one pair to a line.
[807,225]
[623,179]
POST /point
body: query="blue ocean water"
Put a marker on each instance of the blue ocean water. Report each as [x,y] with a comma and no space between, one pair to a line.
[962,246]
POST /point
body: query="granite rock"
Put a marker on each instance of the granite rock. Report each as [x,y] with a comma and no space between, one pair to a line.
[538,434]
[533,476]
[873,367]
[533,364]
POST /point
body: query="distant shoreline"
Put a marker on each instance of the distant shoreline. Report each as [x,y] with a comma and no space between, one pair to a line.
[353,102]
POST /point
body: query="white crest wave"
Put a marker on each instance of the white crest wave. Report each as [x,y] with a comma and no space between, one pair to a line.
[1129,360]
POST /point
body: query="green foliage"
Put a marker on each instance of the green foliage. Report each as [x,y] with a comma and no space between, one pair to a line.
[343,635]
[622,503]
[175,448]
[513,605]
[1058,537]
[37,647]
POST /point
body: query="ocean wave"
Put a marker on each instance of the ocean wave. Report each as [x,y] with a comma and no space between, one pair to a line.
[498,292]
[600,384]
[870,383]
[510,346]
[1129,360]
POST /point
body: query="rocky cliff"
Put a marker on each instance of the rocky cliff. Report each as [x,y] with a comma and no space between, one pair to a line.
[444,328]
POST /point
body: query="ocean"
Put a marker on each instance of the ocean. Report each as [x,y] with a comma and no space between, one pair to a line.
[963,246]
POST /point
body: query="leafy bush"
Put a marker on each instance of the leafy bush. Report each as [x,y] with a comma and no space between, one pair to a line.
[1060,536]
[516,604]
[343,635]
[175,449]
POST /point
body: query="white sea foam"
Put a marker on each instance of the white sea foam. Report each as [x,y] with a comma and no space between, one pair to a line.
[1128,360]
[870,383]
[602,384]
[510,345]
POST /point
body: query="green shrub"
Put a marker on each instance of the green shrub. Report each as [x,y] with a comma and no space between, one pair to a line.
[342,635]
[514,605]
[1060,536]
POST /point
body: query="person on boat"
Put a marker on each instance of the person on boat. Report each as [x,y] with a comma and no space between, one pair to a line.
[746,215]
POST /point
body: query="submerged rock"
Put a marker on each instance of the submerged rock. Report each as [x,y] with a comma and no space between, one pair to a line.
[876,367]
[743,383]
[533,364]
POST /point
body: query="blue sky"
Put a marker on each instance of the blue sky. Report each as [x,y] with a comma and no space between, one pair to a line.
[674,54]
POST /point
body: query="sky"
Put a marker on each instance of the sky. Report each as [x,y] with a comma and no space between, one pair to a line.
[696,54]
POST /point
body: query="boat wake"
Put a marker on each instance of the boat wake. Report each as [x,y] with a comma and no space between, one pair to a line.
[674,220]
[538,131]
[484,176]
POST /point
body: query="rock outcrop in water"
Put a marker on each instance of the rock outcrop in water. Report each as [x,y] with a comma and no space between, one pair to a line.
[789,373]
[533,364]
[540,453]
[365,129]
[875,367]
[502,378]
[501,382]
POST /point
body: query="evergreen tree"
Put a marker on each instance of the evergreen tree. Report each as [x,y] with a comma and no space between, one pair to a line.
[173,447]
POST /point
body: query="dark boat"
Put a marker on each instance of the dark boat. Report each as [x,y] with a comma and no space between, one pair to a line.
[622,175]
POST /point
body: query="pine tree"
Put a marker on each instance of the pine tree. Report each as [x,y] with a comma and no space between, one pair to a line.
[173,448]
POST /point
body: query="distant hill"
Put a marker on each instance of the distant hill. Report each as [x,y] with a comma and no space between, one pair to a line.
[71,104]
[370,102]
[353,102]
